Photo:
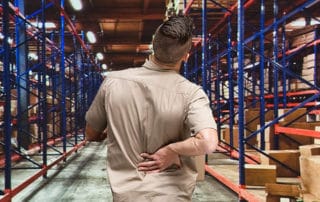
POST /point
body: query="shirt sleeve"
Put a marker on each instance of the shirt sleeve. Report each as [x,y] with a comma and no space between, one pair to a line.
[199,114]
[96,116]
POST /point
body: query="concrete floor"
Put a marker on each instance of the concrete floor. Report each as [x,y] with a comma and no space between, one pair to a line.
[83,178]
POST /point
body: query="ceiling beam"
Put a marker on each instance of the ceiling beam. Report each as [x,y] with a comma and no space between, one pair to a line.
[152,14]
[145,5]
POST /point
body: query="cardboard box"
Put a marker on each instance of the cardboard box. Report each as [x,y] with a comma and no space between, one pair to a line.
[259,175]
[309,150]
[310,172]
[287,190]
[287,157]
[226,136]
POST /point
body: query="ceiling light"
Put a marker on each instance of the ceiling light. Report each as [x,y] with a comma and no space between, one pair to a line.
[10,40]
[48,25]
[76,4]
[33,56]
[91,37]
[104,66]
[1,36]
[99,56]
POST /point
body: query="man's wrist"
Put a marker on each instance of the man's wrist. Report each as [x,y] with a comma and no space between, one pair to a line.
[171,148]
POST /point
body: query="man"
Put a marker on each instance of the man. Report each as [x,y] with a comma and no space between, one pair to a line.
[156,122]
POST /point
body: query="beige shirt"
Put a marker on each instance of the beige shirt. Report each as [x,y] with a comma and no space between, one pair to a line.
[144,109]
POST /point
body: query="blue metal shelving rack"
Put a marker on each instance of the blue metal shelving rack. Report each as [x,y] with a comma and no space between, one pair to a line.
[62,92]
[251,41]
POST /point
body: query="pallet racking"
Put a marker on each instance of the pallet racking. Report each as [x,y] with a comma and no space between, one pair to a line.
[44,98]
[260,74]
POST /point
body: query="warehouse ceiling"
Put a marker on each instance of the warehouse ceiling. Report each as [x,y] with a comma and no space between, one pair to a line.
[124,28]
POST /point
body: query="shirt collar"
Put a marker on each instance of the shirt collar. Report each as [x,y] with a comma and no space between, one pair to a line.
[149,64]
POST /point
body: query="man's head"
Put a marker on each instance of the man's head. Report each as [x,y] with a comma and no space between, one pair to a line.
[173,39]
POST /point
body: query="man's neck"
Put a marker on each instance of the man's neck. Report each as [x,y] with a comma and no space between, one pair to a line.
[175,67]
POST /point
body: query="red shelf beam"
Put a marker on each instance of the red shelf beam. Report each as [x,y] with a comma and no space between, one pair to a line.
[304,92]
[296,131]
[225,17]
[235,154]
[309,104]
[188,7]
[9,194]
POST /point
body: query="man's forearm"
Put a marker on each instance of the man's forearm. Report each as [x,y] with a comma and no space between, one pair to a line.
[203,143]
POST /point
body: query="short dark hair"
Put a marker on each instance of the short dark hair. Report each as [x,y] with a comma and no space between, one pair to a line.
[173,39]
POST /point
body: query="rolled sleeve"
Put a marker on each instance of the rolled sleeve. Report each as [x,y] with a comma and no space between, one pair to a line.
[96,115]
[199,115]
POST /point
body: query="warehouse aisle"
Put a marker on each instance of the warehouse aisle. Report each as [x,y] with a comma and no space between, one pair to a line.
[83,178]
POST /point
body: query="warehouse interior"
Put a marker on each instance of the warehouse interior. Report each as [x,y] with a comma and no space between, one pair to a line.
[257,60]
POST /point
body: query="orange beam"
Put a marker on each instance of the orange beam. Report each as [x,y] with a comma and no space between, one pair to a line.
[296,131]
[316,42]
[33,150]
[309,104]
[69,22]
[187,8]
[315,112]
[18,13]
[242,192]
[235,154]
[304,92]
[232,9]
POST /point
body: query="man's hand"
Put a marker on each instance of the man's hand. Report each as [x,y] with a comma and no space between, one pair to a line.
[159,161]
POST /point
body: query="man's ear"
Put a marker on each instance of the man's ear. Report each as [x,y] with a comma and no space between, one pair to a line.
[185,57]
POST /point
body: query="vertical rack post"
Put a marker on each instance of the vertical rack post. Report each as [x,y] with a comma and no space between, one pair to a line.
[22,80]
[43,87]
[253,70]
[63,81]
[275,69]
[7,89]
[316,48]
[75,67]
[262,64]
[204,46]
[54,80]
[81,83]
[283,62]
[218,93]
[240,47]
[230,81]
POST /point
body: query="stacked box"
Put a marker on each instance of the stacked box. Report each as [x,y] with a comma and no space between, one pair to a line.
[268,137]
[1,113]
[259,175]
[33,98]
[34,133]
[303,36]
[226,136]
[34,130]
[252,121]
[310,168]
[308,71]
[288,157]
[14,107]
